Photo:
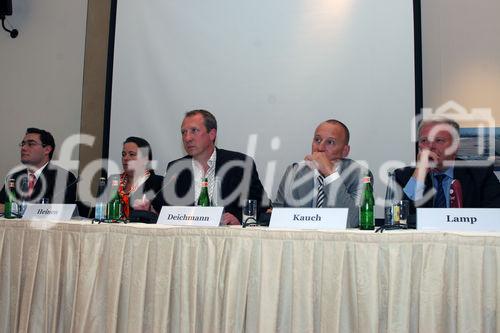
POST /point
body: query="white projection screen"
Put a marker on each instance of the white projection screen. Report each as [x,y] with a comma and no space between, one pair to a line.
[270,71]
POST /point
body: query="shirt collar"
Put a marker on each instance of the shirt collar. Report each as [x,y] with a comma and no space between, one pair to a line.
[448,173]
[211,160]
[338,168]
[198,169]
[38,172]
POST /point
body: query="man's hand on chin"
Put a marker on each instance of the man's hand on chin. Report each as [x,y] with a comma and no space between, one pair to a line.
[426,160]
[320,162]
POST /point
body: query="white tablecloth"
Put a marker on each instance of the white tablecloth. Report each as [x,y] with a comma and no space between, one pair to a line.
[79,277]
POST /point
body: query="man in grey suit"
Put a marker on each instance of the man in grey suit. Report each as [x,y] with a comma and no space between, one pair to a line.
[326,178]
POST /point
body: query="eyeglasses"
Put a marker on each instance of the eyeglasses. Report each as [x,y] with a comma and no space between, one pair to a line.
[31,144]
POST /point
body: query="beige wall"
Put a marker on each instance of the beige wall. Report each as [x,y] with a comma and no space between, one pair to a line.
[41,73]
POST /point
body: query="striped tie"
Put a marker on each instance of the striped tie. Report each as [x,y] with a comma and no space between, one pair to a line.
[321,192]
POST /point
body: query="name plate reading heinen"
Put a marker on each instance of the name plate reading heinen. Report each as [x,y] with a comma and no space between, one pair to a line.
[191,216]
[49,212]
[309,218]
[458,219]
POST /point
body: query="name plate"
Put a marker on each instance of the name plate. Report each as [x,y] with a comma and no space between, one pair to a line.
[191,216]
[309,218]
[49,212]
[458,219]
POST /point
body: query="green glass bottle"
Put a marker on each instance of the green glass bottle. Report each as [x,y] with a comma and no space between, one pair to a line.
[10,206]
[204,199]
[114,203]
[366,209]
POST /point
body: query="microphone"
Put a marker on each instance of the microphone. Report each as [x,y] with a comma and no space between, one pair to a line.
[24,195]
[456,198]
[24,185]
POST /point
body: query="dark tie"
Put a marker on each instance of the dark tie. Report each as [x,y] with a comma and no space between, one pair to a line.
[440,199]
[321,192]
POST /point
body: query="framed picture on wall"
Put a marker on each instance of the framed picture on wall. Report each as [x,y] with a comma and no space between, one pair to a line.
[478,143]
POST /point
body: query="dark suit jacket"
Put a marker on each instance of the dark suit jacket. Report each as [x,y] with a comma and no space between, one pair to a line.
[238,176]
[54,183]
[480,186]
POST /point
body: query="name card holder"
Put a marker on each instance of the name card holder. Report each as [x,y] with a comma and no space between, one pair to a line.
[191,216]
[458,219]
[309,218]
[49,212]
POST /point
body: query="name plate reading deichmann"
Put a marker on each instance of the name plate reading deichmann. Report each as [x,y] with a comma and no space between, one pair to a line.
[191,216]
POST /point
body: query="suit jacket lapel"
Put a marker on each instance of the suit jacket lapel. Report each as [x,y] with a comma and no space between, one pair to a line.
[18,176]
[219,160]
[41,181]
[188,180]
[428,187]
[45,181]
[306,190]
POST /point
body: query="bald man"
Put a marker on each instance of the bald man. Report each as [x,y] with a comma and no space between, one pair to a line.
[326,177]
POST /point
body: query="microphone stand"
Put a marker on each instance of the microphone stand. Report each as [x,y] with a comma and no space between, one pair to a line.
[391,227]
[249,222]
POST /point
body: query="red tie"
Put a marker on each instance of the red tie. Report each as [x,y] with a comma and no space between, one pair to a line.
[31,183]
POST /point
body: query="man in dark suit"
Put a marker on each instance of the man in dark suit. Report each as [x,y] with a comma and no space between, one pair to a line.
[232,176]
[326,177]
[37,178]
[429,183]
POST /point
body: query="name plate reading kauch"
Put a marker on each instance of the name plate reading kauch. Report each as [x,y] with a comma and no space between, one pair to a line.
[49,212]
[191,216]
[309,218]
[458,219]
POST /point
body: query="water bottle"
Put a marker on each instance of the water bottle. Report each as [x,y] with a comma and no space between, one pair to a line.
[203,199]
[11,208]
[114,205]
[100,205]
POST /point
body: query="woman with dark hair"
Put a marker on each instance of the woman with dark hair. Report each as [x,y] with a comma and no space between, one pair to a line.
[139,187]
